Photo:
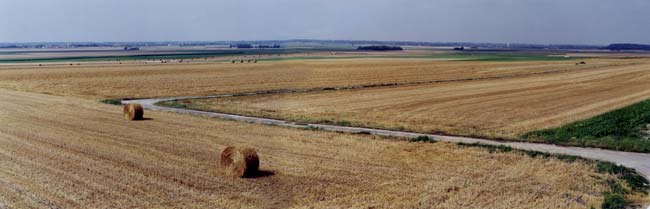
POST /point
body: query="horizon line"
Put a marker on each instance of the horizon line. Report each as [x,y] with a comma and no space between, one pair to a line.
[321,40]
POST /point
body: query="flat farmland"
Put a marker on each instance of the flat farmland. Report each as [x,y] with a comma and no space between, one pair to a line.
[494,108]
[164,80]
[62,152]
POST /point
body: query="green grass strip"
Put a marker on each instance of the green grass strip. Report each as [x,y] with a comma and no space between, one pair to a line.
[620,129]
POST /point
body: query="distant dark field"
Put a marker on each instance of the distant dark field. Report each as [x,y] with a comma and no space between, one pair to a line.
[121,57]
[156,55]
[300,54]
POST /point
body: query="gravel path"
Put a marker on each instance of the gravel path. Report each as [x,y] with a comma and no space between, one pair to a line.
[638,161]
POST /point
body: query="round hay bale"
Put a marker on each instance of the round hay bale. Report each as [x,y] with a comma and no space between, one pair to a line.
[240,161]
[133,112]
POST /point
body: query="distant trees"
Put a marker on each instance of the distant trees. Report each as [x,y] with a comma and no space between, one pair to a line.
[619,47]
[380,48]
[255,45]
[244,46]
[266,46]
[127,48]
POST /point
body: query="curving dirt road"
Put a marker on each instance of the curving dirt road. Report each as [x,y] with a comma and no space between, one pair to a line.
[638,161]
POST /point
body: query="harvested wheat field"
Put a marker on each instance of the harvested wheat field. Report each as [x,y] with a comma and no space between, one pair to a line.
[495,108]
[164,80]
[70,153]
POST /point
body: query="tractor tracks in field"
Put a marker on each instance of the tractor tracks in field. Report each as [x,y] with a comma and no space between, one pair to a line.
[398,84]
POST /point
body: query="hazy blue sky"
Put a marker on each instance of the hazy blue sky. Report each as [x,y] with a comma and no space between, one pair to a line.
[530,21]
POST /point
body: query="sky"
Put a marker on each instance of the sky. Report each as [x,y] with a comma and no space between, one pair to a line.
[495,21]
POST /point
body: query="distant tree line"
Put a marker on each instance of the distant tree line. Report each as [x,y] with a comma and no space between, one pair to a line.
[242,46]
[619,47]
[353,43]
[250,46]
[380,48]
[265,46]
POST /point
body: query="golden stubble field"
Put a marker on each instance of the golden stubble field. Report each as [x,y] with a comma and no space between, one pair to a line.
[73,153]
[495,108]
[163,80]
[67,150]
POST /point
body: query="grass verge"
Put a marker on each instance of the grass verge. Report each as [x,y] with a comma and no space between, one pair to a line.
[173,104]
[117,101]
[111,101]
[426,139]
[621,129]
